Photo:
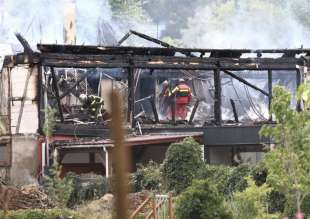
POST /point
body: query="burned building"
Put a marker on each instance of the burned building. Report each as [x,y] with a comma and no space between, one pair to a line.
[231,95]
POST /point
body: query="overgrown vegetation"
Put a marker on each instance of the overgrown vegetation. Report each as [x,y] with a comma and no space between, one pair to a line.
[58,189]
[43,214]
[147,178]
[181,163]
[288,164]
[201,201]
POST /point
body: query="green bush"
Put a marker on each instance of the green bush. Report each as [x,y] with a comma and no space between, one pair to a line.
[201,201]
[218,175]
[87,187]
[42,214]
[58,189]
[147,178]
[181,164]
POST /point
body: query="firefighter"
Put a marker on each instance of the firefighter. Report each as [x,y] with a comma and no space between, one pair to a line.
[183,94]
[164,99]
[93,104]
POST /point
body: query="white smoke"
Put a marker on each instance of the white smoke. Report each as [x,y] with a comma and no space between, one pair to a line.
[42,21]
[246,24]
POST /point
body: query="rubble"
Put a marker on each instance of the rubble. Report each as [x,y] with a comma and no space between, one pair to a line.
[26,197]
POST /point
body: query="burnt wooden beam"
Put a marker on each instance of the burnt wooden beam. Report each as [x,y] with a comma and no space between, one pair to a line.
[233,105]
[217,97]
[152,101]
[93,49]
[164,62]
[193,112]
[246,82]
[151,39]
[298,82]
[173,109]
[56,88]
[131,97]
[25,44]
[269,92]
[72,87]
[124,38]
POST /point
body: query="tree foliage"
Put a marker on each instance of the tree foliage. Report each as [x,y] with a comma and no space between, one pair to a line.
[181,164]
[132,9]
[201,201]
[49,122]
[288,164]
[147,177]
[252,202]
[58,189]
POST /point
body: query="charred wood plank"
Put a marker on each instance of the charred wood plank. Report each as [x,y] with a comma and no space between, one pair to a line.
[233,105]
[194,112]
[245,82]
[56,89]
[269,92]
[72,87]
[124,38]
[217,97]
[152,101]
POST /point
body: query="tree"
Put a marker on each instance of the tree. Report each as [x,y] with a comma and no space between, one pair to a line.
[288,164]
[147,177]
[130,9]
[181,164]
[252,202]
[201,201]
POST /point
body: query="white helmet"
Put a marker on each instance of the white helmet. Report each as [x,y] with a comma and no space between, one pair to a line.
[165,82]
[83,97]
[181,80]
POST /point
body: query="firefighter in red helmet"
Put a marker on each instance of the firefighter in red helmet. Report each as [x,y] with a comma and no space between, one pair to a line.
[183,96]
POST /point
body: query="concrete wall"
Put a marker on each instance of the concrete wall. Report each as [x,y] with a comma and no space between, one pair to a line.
[24,159]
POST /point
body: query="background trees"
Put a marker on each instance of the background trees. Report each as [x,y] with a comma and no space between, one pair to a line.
[288,165]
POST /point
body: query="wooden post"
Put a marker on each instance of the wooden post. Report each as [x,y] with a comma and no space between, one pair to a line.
[56,89]
[269,92]
[217,97]
[120,158]
[154,207]
[131,97]
[298,82]
[170,207]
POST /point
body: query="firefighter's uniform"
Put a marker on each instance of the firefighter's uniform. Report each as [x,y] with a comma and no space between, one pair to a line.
[94,105]
[183,96]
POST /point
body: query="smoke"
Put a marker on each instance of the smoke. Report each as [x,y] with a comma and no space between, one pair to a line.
[42,21]
[246,24]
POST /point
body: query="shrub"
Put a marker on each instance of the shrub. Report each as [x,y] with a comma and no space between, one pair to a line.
[252,202]
[181,163]
[201,201]
[42,214]
[87,187]
[59,190]
[147,178]
[218,175]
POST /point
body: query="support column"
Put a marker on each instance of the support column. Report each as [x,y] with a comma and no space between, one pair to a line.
[298,82]
[56,89]
[217,97]
[131,97]
[269,92]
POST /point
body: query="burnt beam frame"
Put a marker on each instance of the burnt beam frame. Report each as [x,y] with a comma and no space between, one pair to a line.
[56,88]
[217,97]
[167,62]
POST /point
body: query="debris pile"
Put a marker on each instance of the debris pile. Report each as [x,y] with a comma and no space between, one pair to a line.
[13,198]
